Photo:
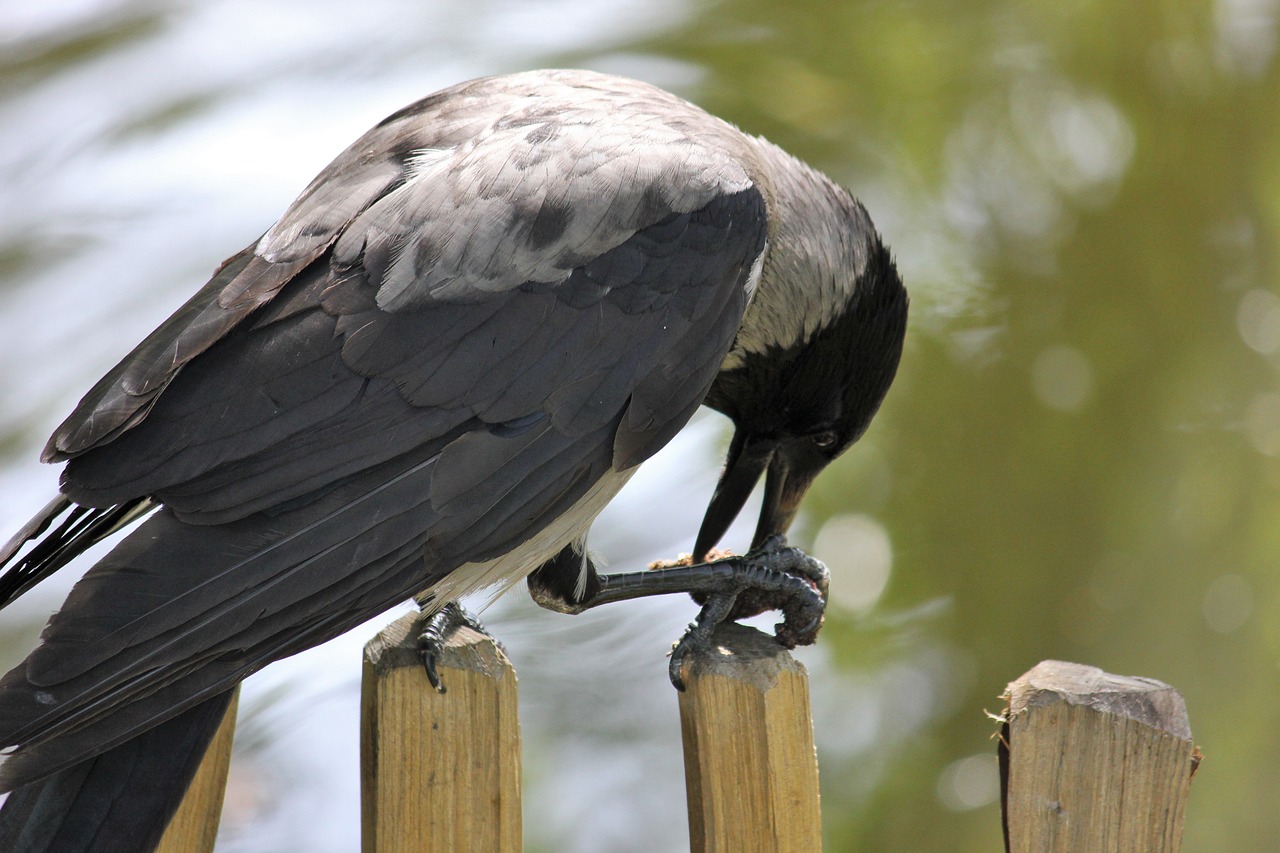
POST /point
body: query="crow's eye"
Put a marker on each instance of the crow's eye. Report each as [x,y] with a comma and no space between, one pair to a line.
[824,440]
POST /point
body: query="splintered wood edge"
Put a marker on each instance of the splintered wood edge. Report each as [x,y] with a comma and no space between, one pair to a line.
[396,647]
[743,654]
[1144,700]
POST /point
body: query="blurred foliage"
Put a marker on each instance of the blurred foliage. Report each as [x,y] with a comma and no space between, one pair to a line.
[1082,446]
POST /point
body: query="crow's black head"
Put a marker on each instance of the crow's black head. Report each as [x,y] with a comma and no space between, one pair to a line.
[795,408]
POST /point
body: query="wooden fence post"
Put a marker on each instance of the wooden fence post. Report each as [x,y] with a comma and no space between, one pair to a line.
[751,772]
[194,826]
[1092,761]
[439,772]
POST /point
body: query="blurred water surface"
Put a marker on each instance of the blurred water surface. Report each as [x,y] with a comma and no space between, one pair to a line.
[1079,459]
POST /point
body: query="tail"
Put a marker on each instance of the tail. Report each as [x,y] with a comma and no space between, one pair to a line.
[81,528]
[121,799]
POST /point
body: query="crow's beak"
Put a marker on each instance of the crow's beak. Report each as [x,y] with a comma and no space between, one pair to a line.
[789,477]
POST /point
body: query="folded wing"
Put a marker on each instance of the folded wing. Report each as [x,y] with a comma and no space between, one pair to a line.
[384,388]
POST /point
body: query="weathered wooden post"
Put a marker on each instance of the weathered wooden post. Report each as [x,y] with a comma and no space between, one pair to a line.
[751,772]
[1094,762]
[439,772]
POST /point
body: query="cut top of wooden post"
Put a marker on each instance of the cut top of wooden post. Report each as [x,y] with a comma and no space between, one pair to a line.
[1145,700]
[396,647]
[1094,761]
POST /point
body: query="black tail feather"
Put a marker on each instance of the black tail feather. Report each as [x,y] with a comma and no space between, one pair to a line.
[122,799]
[81,528]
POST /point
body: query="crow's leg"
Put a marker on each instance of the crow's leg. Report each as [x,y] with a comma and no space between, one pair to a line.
[774,577]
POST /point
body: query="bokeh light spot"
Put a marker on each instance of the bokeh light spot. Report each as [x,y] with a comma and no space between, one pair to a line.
[857,550]
[1228,604]
[1258,318]
[1062,378]
[969,783]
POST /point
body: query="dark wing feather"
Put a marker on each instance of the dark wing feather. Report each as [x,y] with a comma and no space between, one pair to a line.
[326,510]
[94,807]
[122,398]
[369,169]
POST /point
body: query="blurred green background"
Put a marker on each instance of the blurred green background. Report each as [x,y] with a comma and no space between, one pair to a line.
[1078,459]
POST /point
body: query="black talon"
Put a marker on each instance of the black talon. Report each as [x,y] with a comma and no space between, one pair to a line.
[698,635]
[437,627]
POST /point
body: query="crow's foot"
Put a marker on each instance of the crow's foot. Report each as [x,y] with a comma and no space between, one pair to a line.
[436,630]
